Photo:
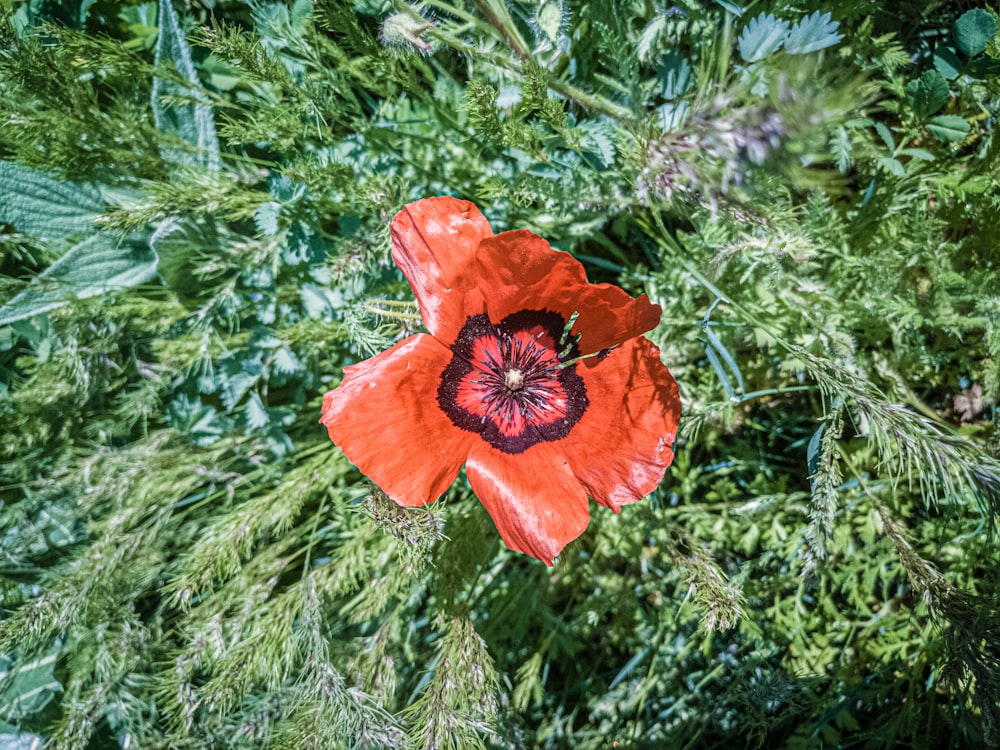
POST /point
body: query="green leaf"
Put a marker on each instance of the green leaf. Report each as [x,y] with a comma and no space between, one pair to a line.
[99,264]
[917,153]
[674,74]
[650,36]
[927,94]
[13,739]
[973,30]
[190,122]
[40,205]
[256,413]
[266,218]
[811,34]
[947,63]
[762,36]
[886,135]
[28,686]
[950,128]
[598,139]
[731,7]
[894,166]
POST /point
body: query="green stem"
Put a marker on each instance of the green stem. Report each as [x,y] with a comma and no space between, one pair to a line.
[499,23]
[395,309]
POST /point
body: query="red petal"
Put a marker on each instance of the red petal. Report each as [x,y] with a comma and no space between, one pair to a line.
[621,447]
[434,244]
[537,504]
[519,271]
[385,417]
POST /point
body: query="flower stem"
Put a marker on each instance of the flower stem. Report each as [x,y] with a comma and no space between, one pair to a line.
[499,22]
[396,309]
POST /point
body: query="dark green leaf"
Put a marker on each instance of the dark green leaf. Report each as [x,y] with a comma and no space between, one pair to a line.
[40,205]
[674,74]
[973,30]
[97,265]
[193,123]
[951,128]
[927,94]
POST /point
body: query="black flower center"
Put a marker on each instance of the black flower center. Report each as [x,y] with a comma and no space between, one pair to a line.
[513,383]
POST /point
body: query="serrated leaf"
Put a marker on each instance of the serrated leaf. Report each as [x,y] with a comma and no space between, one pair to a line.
[973,30]
[40,205]
[285,361]
[97,265]
[762,36]
[650,36]
[266,218]
[927,94]
[946,62]
[598,141]
[841,147]
[811,34]
[673,71]
[886,135]
[949,128]
[256,413]
[193,123]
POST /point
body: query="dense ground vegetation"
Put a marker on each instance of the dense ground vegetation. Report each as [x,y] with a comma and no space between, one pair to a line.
[194,208]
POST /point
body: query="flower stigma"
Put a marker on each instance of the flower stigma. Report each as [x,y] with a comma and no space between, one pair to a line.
[514,380]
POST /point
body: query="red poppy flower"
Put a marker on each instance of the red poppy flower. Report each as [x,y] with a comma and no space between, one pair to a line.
[538,382]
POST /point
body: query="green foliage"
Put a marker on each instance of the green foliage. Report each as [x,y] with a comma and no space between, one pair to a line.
[194,208]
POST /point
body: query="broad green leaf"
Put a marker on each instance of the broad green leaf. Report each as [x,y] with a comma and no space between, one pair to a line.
[189,122]
[973,30]
[950,128]
[762,36]
[37,204]
[811,34]
[927,94]
[99,264]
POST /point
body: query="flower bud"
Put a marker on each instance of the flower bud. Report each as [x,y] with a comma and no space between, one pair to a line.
[403,29]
